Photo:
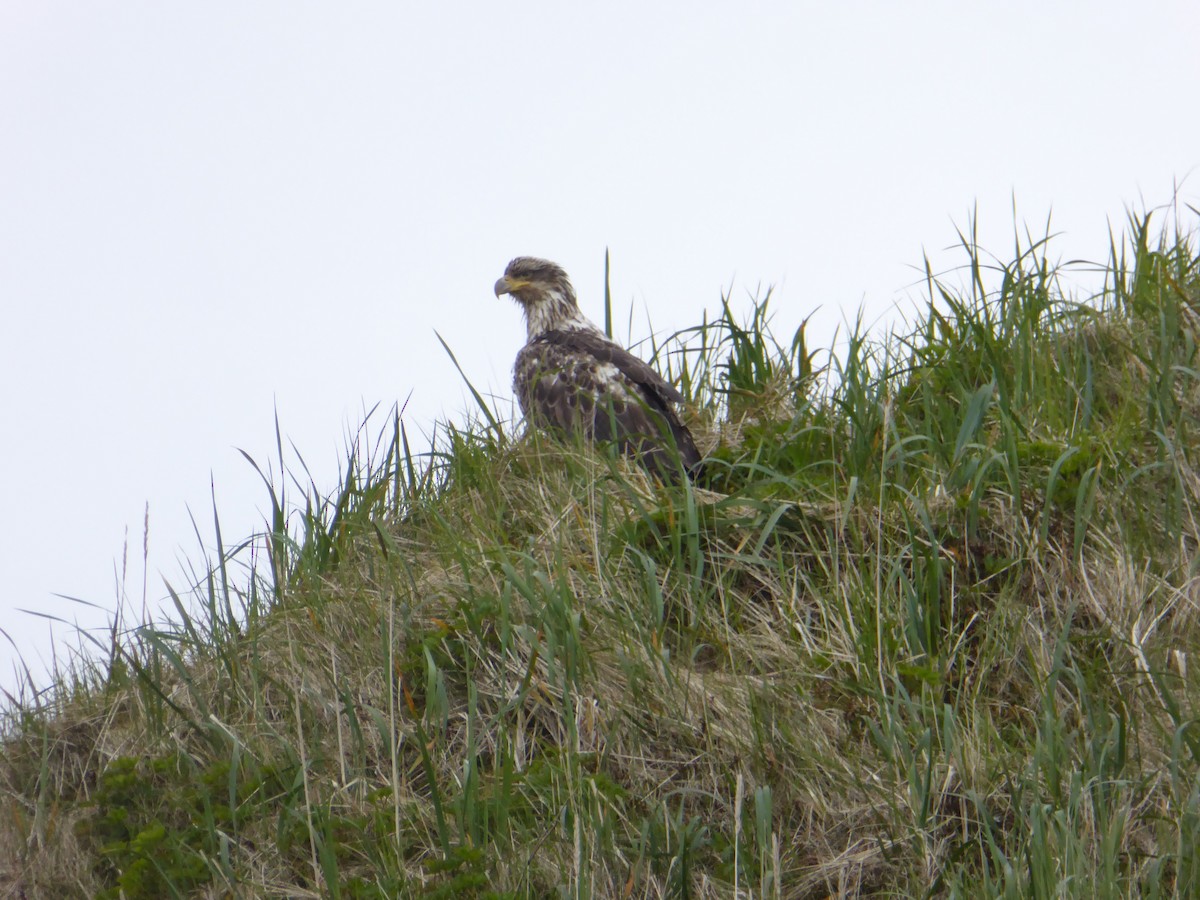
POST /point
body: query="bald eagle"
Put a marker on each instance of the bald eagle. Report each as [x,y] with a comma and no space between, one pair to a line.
[571,379]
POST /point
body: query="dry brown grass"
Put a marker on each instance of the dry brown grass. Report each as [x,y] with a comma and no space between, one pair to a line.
[931,636]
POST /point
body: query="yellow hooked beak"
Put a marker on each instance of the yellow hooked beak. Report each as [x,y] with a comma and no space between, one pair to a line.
[507,285]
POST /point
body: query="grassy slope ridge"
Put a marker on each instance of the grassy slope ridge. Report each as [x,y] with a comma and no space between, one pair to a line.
[935,641]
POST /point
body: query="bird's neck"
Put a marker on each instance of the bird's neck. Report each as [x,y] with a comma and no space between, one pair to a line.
[555,311]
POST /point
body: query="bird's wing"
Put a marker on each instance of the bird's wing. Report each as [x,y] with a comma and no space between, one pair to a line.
[630,366]
[563,388]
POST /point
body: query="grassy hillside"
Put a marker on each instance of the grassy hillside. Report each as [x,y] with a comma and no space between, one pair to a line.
[926,630]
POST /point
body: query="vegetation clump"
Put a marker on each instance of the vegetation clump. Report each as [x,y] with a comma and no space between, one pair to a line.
[924,630]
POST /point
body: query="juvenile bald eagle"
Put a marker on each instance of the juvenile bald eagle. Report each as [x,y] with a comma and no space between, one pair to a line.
[571,379]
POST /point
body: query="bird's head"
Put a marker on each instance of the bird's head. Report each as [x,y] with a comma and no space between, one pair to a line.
[544,292]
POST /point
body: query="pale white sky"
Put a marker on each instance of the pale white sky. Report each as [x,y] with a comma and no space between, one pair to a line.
[212,211]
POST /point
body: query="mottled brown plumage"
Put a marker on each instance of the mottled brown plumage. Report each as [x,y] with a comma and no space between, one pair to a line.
[571,379]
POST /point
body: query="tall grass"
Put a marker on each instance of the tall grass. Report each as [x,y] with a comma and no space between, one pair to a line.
[923,631]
